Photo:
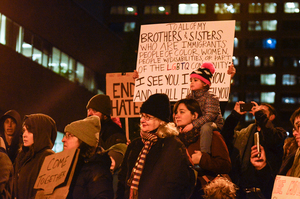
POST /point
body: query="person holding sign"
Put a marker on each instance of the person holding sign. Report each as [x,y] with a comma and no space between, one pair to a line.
[156,165]
[39,134]
[211,118]
[92,177]
[207,165]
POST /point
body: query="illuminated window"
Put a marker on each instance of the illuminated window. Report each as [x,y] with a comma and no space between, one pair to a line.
[291,62]
[2,29]
[267,97]
[255,96]
[269,43]
[254,25]
[249,117]
[269,25]
[270,7]
[254,61]
[202,8]
[58,144]
[72,69]
[268,79]
[290,100]
[236,42]
[233,97]
[224,8]
[291,7]
[255,8]
[79,73]
[188,9]
[289,80]
[155,9]
[129,26]
[269,61]
[235,61]
[54,60]
[37,50]
[123,10]
[27,44]
[64,65]
[238,26]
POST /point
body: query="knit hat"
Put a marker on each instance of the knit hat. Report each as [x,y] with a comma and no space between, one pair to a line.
[204,73]
[157,105]
[87,130]
[100,103]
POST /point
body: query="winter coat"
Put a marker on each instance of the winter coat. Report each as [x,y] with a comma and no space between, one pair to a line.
[30,159]
[92,178]
[239,144]
[12,150]
[6,175]
[167,171]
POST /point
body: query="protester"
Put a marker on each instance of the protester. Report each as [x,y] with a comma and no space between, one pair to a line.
[220,188]
[208,165]
[112,136]
[6,173]
[239,143]
[10,131]
[156,165]
[92,177]
[211,118]
[39,134]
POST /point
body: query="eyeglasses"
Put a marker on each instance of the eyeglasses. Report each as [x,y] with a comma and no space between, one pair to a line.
[68,135]
[146,117]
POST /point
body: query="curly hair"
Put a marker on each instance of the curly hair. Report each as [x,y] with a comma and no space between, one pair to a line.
[220,188]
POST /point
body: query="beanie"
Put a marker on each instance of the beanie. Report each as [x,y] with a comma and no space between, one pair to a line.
[100,103]
[204,73]
[157,105]
[87,130]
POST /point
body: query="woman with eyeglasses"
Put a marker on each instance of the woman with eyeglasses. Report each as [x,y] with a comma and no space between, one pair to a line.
[92,177]
[39,134]
[156,165]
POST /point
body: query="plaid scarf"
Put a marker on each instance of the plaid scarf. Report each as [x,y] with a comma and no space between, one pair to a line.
[190,137]
[148,139]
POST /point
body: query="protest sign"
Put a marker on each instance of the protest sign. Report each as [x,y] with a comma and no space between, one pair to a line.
[120,88]
[168,53]
[57,171]
[286,187]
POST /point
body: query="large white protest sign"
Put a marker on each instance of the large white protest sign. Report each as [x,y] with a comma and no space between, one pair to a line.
[286,187]
[168,53]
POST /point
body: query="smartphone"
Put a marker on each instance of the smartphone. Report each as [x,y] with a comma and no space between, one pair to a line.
[256,142]
[246,107]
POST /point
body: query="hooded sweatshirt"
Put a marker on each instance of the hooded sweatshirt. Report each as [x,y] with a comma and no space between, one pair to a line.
[12,150]
[30,159]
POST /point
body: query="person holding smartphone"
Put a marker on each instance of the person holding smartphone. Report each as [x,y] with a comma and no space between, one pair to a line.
[240,142]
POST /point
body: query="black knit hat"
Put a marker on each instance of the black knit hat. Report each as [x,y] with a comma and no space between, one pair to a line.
[100,103]
[157,105]
[204,73]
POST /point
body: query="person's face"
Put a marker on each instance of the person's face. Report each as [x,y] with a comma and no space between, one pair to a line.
[27,137]
[296,131]
[149,122]
[266,111]
[196,84]
[183,116]
[9,127]
[91,112]
[70,141]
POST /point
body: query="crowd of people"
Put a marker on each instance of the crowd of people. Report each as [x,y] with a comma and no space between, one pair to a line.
[189,151]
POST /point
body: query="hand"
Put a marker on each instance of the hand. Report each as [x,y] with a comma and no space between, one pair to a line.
[237,108]
[187,128]
[196,157]
[258,162]
[135,74]
[231,71]
[255,108]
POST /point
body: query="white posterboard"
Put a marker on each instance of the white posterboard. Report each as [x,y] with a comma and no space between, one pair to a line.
[168,53]
[286,187]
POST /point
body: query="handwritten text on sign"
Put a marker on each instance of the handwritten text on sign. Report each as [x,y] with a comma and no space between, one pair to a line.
[168,53]
[286,187]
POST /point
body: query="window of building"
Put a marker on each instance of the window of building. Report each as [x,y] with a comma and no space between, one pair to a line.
[268,97]
[129,26]
[254,25]
[235,61]
[236,42]
[2,29]
[291,7]
[255,96]
[268,79]
[37,49]
[252,80]
[225,8]
[290,100]
[289,80]
[123,10]
[64,65]
[233,97]
[55,60]
[255,8]
[254,44]
[27,44]
[188,9]
[269,25]
[291,62]
[269,43]
[72,69]
[238,26]
[157,9]
[202,8]
[269,61]
[254,61]
[270,7]
[79,73]
[291,43]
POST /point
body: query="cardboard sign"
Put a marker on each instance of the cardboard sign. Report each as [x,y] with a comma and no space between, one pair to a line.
[168,53]
[120,88]
[286,187]
[57,169]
